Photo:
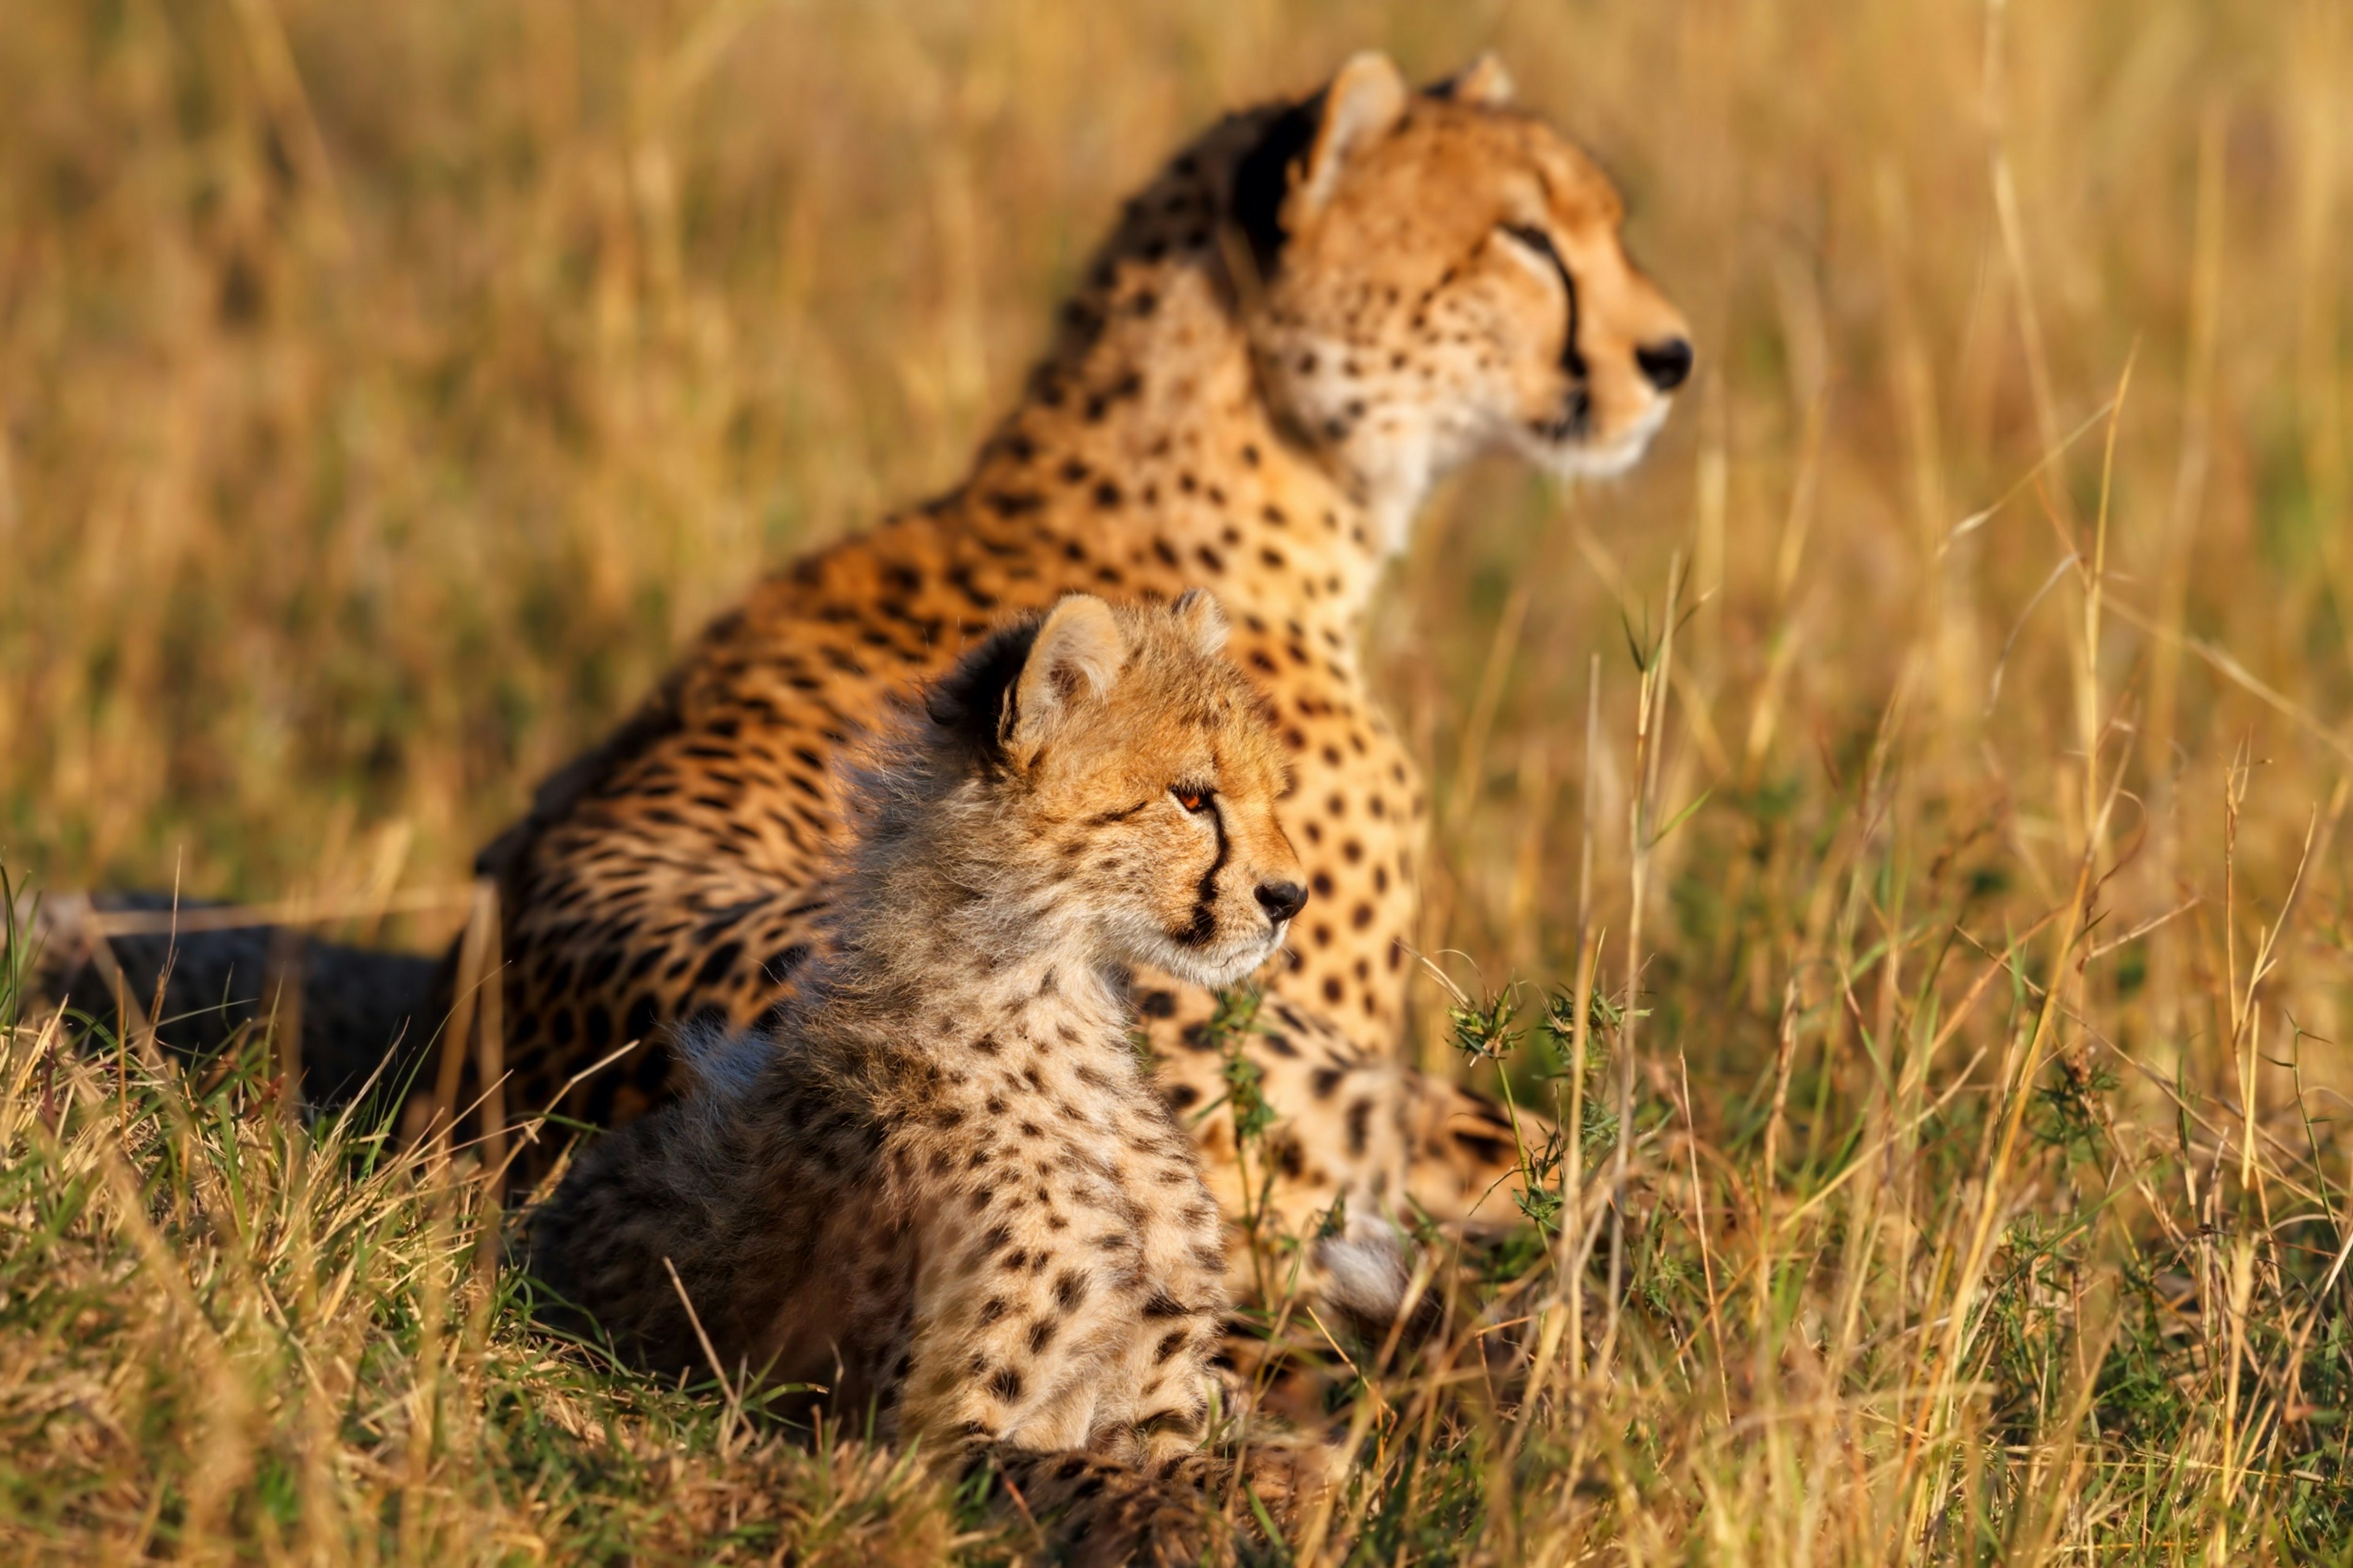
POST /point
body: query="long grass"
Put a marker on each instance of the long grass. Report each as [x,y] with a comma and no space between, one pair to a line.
[1900,830]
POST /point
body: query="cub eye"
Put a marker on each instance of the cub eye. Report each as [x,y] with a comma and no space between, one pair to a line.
[1192,800]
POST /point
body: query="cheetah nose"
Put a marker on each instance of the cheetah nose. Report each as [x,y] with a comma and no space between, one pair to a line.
[1281,901]
[1664,365]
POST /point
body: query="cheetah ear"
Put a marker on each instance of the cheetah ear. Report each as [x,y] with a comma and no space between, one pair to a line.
[1076,658]
[1483,81]
[1198,610]
[1362,102]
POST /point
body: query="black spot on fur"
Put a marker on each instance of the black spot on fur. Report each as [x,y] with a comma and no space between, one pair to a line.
[1489,1150]
[716,966]
[1169,1421]
[1263,179]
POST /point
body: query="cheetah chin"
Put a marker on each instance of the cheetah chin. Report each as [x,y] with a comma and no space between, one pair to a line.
[1580,459]
[1214,971]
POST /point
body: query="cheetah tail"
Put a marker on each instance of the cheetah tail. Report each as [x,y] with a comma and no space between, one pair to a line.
[357,1002]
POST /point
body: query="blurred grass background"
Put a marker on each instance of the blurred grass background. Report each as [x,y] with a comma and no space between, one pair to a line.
[386,393]
[389,391]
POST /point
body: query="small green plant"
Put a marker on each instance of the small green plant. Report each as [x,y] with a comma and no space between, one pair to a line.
[1234,1017]
[2066,1114]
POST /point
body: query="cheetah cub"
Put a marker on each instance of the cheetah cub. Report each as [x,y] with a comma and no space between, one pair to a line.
[939,1183]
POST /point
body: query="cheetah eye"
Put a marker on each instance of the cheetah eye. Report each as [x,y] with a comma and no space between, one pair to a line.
[1531,237]
[1190,798]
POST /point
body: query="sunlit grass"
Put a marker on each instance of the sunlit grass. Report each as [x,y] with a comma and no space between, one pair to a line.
[1941,942]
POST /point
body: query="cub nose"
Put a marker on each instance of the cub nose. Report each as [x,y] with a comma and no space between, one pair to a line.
[1281,901]
[1664,365]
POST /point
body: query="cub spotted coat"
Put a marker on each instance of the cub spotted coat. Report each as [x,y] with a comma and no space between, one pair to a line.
[940,1182]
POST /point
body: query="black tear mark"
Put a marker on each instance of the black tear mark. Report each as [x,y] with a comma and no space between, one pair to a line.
[1572,358]
[1204,924]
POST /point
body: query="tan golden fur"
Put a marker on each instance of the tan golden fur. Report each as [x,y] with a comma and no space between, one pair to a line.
[1312,313]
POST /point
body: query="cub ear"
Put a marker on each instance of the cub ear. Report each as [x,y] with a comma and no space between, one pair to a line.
[1198,610]
[1075,658]
[1483,81]
[1360,106]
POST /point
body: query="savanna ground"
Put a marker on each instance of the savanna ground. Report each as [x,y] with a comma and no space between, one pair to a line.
[1936,755]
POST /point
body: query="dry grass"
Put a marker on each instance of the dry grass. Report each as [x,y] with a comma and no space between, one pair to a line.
[385,391]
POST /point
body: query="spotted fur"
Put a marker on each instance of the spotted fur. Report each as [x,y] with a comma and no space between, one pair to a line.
[939,1182]
[1314,310]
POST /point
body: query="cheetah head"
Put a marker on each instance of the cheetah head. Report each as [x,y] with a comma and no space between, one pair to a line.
[1438,274]
[1131,773]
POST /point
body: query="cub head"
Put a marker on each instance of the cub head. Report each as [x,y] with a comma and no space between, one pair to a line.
[1128,776]
[1436,273]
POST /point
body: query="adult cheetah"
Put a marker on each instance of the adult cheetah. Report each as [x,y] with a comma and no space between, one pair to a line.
[938,1181]
[1314,310]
